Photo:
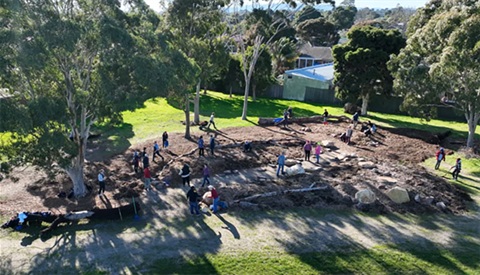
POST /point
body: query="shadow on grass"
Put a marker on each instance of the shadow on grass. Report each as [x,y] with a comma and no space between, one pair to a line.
[232,107]
[113,140]
[422,127]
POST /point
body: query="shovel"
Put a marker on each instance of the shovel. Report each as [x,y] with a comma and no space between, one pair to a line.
[135,217]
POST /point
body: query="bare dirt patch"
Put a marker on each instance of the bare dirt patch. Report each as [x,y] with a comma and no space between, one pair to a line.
[395,154]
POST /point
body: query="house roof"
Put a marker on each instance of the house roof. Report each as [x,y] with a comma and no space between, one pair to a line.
[323,72]
[322,53]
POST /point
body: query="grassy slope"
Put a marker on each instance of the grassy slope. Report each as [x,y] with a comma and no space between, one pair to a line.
[159,115]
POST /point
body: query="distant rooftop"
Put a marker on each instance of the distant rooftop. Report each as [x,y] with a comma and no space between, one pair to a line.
[323,72]
[320,53]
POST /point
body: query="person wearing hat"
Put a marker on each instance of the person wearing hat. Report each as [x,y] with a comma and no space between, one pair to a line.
[101,182]
[215,198]
[193,197]
[458,168]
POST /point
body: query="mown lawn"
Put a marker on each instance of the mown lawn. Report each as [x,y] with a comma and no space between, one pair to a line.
[160,115]
[378,260]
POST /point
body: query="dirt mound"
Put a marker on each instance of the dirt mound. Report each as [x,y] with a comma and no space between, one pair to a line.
[393,152]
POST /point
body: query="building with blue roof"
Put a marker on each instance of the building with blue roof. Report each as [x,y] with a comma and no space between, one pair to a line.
[312,84]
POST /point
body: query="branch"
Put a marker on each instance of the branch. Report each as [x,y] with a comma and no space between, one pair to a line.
[277,193]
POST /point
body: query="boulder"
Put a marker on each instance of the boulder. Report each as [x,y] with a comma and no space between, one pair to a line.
[441,205]
[327,143]
[295,170]
[398,195]
[291,162]
[365,196]
[366,164]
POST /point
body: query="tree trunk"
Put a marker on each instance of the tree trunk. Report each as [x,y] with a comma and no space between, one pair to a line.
[187,117]
[245,99]
[472,121]
[365,100]
[205,88]
[254,91]
[75,172]
[231,89]
[196,104]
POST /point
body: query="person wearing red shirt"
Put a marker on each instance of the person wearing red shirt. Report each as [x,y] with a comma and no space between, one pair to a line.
[148,178]
[215,198]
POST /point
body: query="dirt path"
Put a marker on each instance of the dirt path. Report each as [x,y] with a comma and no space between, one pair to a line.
[166,230]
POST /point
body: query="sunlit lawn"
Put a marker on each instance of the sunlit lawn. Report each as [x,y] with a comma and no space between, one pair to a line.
[378,260]
[159,115]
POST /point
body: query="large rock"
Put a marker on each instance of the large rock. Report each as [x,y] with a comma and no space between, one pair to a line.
[291,162]
[327,143]
[366,164]
[295,170]
[365,196]
[398,195]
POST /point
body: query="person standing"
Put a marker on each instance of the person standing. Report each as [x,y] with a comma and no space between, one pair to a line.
[215,197]
[307,148]
[348,134]
[318,151]
[101,183]
[440,155]
[285,118]
[146,162]
[136,161]
[212,145]
[325,117]
[193,197]
[212,121]
[206,175]
[185,174]
[165,139]
[355,119]
[458,168]
[290,112]
[142,156]
[201,147]
[281,164]
[148,178]
[156,151]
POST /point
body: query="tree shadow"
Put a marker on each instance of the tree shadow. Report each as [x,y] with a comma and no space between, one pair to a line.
[113,139]
[423,131]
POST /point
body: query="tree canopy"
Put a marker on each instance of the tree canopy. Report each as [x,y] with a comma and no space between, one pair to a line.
[442,60]
[71,64]
[361,64]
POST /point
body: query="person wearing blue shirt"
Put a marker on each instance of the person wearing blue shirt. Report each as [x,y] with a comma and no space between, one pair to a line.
[281,164]
[201,147]
[101,183]
[156,151]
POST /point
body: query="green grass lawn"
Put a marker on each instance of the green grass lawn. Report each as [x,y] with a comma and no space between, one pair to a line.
[160,115]
[378,260]
[469,177]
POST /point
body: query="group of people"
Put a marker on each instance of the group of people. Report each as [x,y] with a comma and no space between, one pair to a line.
[201,146]
[440,156]
[366,128]
[194,198]
[307,148]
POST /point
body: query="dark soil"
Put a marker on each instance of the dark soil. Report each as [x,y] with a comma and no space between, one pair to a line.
[396,154]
